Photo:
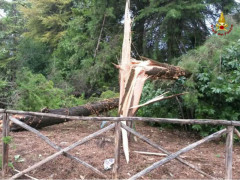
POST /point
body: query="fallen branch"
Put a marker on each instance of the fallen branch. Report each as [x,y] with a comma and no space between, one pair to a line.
[150,153]
[158,98]
[25,174]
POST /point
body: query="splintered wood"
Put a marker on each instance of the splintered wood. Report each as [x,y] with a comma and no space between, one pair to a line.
[124,75]
[133,74]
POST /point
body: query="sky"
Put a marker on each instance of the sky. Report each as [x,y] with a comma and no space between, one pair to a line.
[1,13]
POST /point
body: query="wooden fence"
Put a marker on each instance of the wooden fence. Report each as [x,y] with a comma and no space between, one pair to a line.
[229,130]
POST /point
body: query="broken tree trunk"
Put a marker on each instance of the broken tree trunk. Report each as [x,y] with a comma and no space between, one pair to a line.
[85,110]
[125,74]
[159,70]
[133,74]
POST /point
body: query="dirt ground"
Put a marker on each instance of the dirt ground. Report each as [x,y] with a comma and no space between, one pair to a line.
[208,157]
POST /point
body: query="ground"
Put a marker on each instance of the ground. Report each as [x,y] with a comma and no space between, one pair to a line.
[208,157]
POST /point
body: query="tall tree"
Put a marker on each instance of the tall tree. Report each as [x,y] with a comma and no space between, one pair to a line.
[47,19]
[91,44]
[10,31]
[171,28]
[11,28]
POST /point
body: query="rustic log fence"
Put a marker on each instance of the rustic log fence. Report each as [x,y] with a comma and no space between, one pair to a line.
[7,118]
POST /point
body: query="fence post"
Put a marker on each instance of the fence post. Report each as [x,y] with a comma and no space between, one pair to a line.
[229,148]
[117,150]
[5,146]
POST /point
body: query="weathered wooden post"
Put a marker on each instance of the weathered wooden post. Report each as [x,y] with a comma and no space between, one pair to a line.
[117,150]
[229,148]
[5,146]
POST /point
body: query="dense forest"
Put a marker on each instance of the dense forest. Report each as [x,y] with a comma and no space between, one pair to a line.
[60,53]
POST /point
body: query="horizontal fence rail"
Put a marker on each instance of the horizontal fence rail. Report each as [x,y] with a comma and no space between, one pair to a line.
[160,120]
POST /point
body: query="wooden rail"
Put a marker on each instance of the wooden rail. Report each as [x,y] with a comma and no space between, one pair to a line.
[6,116]
[176,154]
[114,119]
[48,141]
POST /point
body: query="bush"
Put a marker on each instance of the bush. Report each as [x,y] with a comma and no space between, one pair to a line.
[34,92]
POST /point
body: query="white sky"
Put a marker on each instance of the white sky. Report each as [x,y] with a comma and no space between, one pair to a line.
[1,13]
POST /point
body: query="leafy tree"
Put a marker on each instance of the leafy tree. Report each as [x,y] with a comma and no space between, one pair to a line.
[214,86]
[34,92]
[84,56]
[34,55]
[172,28]
[47,19]
[11,28]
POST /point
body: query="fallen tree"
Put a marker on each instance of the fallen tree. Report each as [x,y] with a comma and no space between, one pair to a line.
[154,70]
[85,110]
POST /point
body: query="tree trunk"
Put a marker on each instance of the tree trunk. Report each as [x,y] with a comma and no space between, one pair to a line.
[156,70]
[85,110]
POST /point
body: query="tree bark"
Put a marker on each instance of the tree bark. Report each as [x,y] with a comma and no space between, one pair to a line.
[85,110]
[156,70]
[159,70]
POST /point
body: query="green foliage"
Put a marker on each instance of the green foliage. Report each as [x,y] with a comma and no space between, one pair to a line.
[149,92]
[162,108]
[47,19]
[11,28]
[157,109]
[35,92]
[175,27]
[34,55]
[7,139]
[3,84]
[78,60]
[105,95]
[109,94]
[6,89]
[214,86]
[18,158]
[10,164]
